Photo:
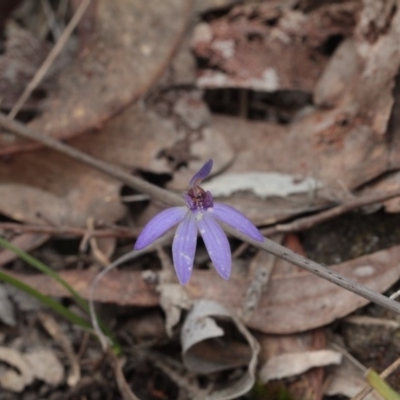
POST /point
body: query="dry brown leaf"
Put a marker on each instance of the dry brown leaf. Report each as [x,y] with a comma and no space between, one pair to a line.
[117,67]
[310,383]
[316,147]
[293,302]
[26,242]
[45,186]
[270,46]
[342,147]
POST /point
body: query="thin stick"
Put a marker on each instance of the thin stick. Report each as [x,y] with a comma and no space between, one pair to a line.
[319,270]
[308,222]
[51,19]
[384,374]
[155,192]
[48,62]
[118,231]
[170,198]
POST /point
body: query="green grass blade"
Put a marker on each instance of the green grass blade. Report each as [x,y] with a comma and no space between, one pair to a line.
[34,262]
[48,301]
[46,270]
[381,386]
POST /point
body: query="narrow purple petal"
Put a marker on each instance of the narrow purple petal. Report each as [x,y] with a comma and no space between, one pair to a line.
[201,174]
[217,244]
[184,247]
[236,220]
[159,225]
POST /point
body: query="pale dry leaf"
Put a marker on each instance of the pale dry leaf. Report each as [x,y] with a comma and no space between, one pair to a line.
[22,375]
[46,366]
[173,299]
[338,74]
[347,379]
[276,345]
[292,364]
[201,332]
[262,184]
[196,329]
[53,328]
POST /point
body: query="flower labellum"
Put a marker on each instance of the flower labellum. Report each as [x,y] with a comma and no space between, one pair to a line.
[200,213]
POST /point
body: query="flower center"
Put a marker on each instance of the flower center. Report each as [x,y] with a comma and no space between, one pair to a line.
[198,199]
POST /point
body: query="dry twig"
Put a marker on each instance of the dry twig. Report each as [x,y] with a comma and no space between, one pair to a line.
[170,198]
[384,374]
[347,206]
[118,231]
[48,62]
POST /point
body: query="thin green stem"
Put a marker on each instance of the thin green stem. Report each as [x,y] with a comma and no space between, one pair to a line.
[75,295]
[48,301]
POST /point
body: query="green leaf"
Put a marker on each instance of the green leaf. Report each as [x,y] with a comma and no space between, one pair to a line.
[48,301]
[46,270]
[34,262]
[381,386]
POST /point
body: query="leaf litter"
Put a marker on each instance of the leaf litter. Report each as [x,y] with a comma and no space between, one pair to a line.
[310,90]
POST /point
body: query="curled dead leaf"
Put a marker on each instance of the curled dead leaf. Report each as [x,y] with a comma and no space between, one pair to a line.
[198,331]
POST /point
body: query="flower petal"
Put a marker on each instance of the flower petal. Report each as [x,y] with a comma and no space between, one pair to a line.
[236,220]
[217,244]
[184,247]
[159,225]
[202,173]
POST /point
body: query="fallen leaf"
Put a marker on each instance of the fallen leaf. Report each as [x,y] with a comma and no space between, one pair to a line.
[262,184]
[340,71]
[10,379]
[197,332]
[342,147]
[24,241]
[173,299]
[54,330]
[255,46]
[291,364]
[47,187]
[347,379]
[308,384]
[292,303]
[46,366]
[105,69]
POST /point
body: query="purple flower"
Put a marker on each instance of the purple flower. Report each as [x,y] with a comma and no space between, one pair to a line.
[200,213]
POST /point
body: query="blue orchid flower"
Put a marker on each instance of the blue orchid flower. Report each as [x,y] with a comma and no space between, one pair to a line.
[200,213]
